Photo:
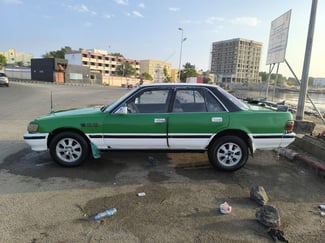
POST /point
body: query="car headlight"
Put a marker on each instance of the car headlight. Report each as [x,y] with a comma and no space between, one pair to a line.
[32,127]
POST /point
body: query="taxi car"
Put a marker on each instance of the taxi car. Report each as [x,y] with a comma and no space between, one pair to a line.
[169,117]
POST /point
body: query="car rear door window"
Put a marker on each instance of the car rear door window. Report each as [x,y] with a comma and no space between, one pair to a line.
[196,100]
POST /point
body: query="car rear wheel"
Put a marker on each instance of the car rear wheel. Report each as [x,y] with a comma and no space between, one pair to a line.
[69,149]
[228,153]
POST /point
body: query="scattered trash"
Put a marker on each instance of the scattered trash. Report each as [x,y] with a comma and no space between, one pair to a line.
[277,235]
[104,214]
[322,207]
[141,194]
[268,215]
[225,208]
[258,194]
[322,214]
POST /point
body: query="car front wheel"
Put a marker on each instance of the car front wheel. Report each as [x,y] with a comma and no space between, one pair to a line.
[69,149]
[228,153]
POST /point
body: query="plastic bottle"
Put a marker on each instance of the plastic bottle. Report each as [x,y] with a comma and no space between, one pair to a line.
[106,213]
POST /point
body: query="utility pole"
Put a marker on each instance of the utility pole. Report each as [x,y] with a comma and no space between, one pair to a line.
[305,72]
[180,54]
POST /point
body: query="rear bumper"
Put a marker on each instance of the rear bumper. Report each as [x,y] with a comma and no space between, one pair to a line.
[272,141]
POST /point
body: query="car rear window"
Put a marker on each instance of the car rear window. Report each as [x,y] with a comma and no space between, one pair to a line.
[3,75]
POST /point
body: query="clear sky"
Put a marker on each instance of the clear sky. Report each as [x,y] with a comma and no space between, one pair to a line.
[148,29]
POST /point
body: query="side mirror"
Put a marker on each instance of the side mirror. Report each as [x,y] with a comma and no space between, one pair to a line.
[122,110]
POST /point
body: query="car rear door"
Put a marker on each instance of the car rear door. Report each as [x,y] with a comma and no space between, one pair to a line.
[196,116]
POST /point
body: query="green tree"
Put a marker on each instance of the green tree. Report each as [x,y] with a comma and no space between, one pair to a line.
[167,78]
[292,81]
[188,71]
[116,54]
[125,69]
[206,78]
[59,53]
[263,76]
[281,79]
[3,60]
[20,64]
[146,76]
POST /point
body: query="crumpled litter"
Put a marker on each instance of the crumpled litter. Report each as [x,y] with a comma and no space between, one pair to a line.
[225,208]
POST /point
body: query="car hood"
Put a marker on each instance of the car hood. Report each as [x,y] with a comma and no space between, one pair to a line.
[87,111]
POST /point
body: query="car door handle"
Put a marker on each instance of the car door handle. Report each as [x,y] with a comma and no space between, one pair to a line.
[160,120]
[216,119]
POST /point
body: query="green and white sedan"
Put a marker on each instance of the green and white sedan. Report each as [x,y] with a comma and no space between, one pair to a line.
[165,117]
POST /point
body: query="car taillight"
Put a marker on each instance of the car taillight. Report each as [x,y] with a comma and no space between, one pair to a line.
[289,126]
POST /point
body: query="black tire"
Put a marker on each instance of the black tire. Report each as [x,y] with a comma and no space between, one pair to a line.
[69,149]
[228,153]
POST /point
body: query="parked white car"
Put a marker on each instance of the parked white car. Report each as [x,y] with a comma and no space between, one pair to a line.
[4,79]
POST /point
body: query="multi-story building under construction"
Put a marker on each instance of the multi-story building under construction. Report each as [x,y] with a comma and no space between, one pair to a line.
[236,60]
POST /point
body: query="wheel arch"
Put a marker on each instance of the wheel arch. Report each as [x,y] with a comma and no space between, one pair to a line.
[233,132]
[66,129]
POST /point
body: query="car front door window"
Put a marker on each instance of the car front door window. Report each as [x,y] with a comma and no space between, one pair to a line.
[150,101]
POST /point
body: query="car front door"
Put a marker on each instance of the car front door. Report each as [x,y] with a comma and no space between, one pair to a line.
[143,126]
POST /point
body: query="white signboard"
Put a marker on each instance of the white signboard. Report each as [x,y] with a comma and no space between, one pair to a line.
[278,39]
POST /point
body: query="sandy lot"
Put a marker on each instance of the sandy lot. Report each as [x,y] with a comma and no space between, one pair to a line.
[181,204]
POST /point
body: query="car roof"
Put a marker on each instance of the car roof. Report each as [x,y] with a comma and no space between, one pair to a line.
[179,85]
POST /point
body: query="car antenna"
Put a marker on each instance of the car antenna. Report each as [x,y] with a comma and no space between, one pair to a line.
[51,103]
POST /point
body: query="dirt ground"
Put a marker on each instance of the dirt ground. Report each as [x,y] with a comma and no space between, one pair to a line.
[43,202]
[181,205]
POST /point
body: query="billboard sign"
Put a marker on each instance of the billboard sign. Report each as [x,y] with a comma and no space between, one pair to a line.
[278,39]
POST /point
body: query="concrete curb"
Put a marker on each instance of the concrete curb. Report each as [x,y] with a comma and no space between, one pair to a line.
[310,162]
[294,155]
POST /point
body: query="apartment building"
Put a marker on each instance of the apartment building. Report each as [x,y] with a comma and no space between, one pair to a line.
[14,57]
[236,60]
[156,69]
[99,61]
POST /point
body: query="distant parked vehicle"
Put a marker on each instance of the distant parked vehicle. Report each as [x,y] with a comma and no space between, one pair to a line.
[4,79]
[165,117]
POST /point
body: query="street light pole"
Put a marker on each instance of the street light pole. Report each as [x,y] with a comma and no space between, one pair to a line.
[180,54]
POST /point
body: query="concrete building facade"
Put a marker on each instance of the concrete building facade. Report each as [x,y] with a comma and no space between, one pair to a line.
[48,69]
[14,57]
[318,82]
[99,61]
[236,60]
[156,69]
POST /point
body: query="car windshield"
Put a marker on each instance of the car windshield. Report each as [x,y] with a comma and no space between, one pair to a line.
[110,107]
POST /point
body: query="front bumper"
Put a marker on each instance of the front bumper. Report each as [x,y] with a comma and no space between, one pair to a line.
[4,82]
[37,141]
